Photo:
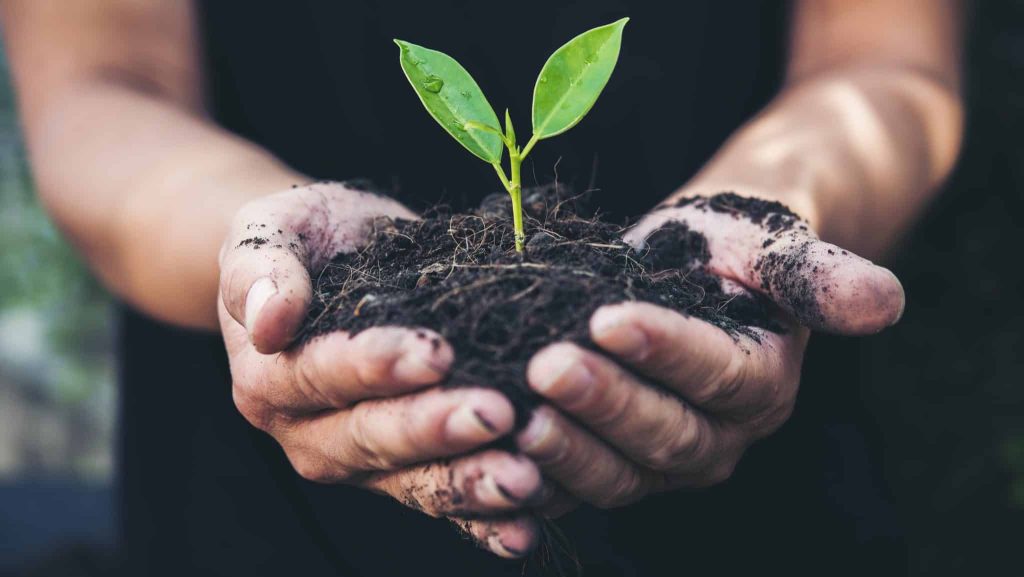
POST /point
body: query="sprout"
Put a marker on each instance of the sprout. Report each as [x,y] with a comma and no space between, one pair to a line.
[566,90]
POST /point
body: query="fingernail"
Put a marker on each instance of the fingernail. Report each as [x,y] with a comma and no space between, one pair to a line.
[569,370]
[613,331]
[468,424]
[899,314]
[489,492]
[501,549]
[508,495]
[257,297]
[902,296]
[536,431]
[424,358]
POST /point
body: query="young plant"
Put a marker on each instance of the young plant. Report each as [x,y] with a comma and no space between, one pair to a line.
[568,85]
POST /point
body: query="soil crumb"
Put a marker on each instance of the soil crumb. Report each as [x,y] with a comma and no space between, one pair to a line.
[459,275]
[255,242]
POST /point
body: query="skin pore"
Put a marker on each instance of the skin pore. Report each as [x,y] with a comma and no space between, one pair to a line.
[158,199]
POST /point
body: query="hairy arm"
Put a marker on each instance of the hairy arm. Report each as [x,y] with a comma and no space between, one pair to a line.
[868,123]
[124,159]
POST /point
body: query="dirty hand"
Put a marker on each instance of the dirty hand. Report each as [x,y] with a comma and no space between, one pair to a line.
[360,410]
[675,401]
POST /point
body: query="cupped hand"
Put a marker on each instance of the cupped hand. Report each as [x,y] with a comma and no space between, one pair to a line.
[361,409]
[673,401]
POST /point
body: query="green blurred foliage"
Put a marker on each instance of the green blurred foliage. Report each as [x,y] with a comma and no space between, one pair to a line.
[37,267]
[42,278]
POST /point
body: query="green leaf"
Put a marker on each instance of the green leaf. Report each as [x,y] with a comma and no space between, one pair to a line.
[474,125]
[453,98]
[573,78]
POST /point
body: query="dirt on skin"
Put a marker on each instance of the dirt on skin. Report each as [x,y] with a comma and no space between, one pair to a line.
[783,271]
[459,275]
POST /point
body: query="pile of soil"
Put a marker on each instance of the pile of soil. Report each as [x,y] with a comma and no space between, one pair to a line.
[459,275]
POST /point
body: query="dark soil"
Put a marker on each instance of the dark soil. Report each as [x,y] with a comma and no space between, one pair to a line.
[458,274]
[775,216]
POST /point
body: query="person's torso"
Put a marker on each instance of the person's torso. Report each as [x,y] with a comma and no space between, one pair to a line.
[318,83]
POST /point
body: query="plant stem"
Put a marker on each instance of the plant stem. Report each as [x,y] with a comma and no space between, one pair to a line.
[528,147]
[514,185]
[501,175]
[515,189]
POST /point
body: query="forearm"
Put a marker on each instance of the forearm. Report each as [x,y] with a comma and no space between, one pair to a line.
[145,189]
[856,149]
[109,94]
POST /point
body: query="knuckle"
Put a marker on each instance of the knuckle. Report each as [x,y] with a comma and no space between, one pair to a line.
[776,415]
[721,473]
[367,452]
[257,412]
[724,386]
[608,405]
[662,357]
[313,469]
[414,433]
[661,458]
[559,450]
[685,444]
[309,375]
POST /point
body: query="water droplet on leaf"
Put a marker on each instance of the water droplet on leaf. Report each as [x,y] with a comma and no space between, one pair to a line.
[543,79]
[433,84]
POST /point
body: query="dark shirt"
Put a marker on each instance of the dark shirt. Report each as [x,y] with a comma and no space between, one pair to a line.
[318,83]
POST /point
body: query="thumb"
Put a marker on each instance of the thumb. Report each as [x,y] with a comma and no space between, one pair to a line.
[264,284]
[827,288]
[768,249]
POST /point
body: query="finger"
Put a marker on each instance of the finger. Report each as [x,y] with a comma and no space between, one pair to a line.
[265,285]
[485,483]
[337,370]
[274,242]
[387,434]
[581,463]
[825,287]
[700,362]
[512,538]
[647,425]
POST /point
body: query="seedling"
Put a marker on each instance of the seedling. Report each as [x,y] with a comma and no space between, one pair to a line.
[568,85]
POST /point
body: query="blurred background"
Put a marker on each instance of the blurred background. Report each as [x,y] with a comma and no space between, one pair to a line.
[57,394]
[940,405]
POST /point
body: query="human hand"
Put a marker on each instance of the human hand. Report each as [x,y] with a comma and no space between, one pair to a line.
[361,409]
[675,401]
